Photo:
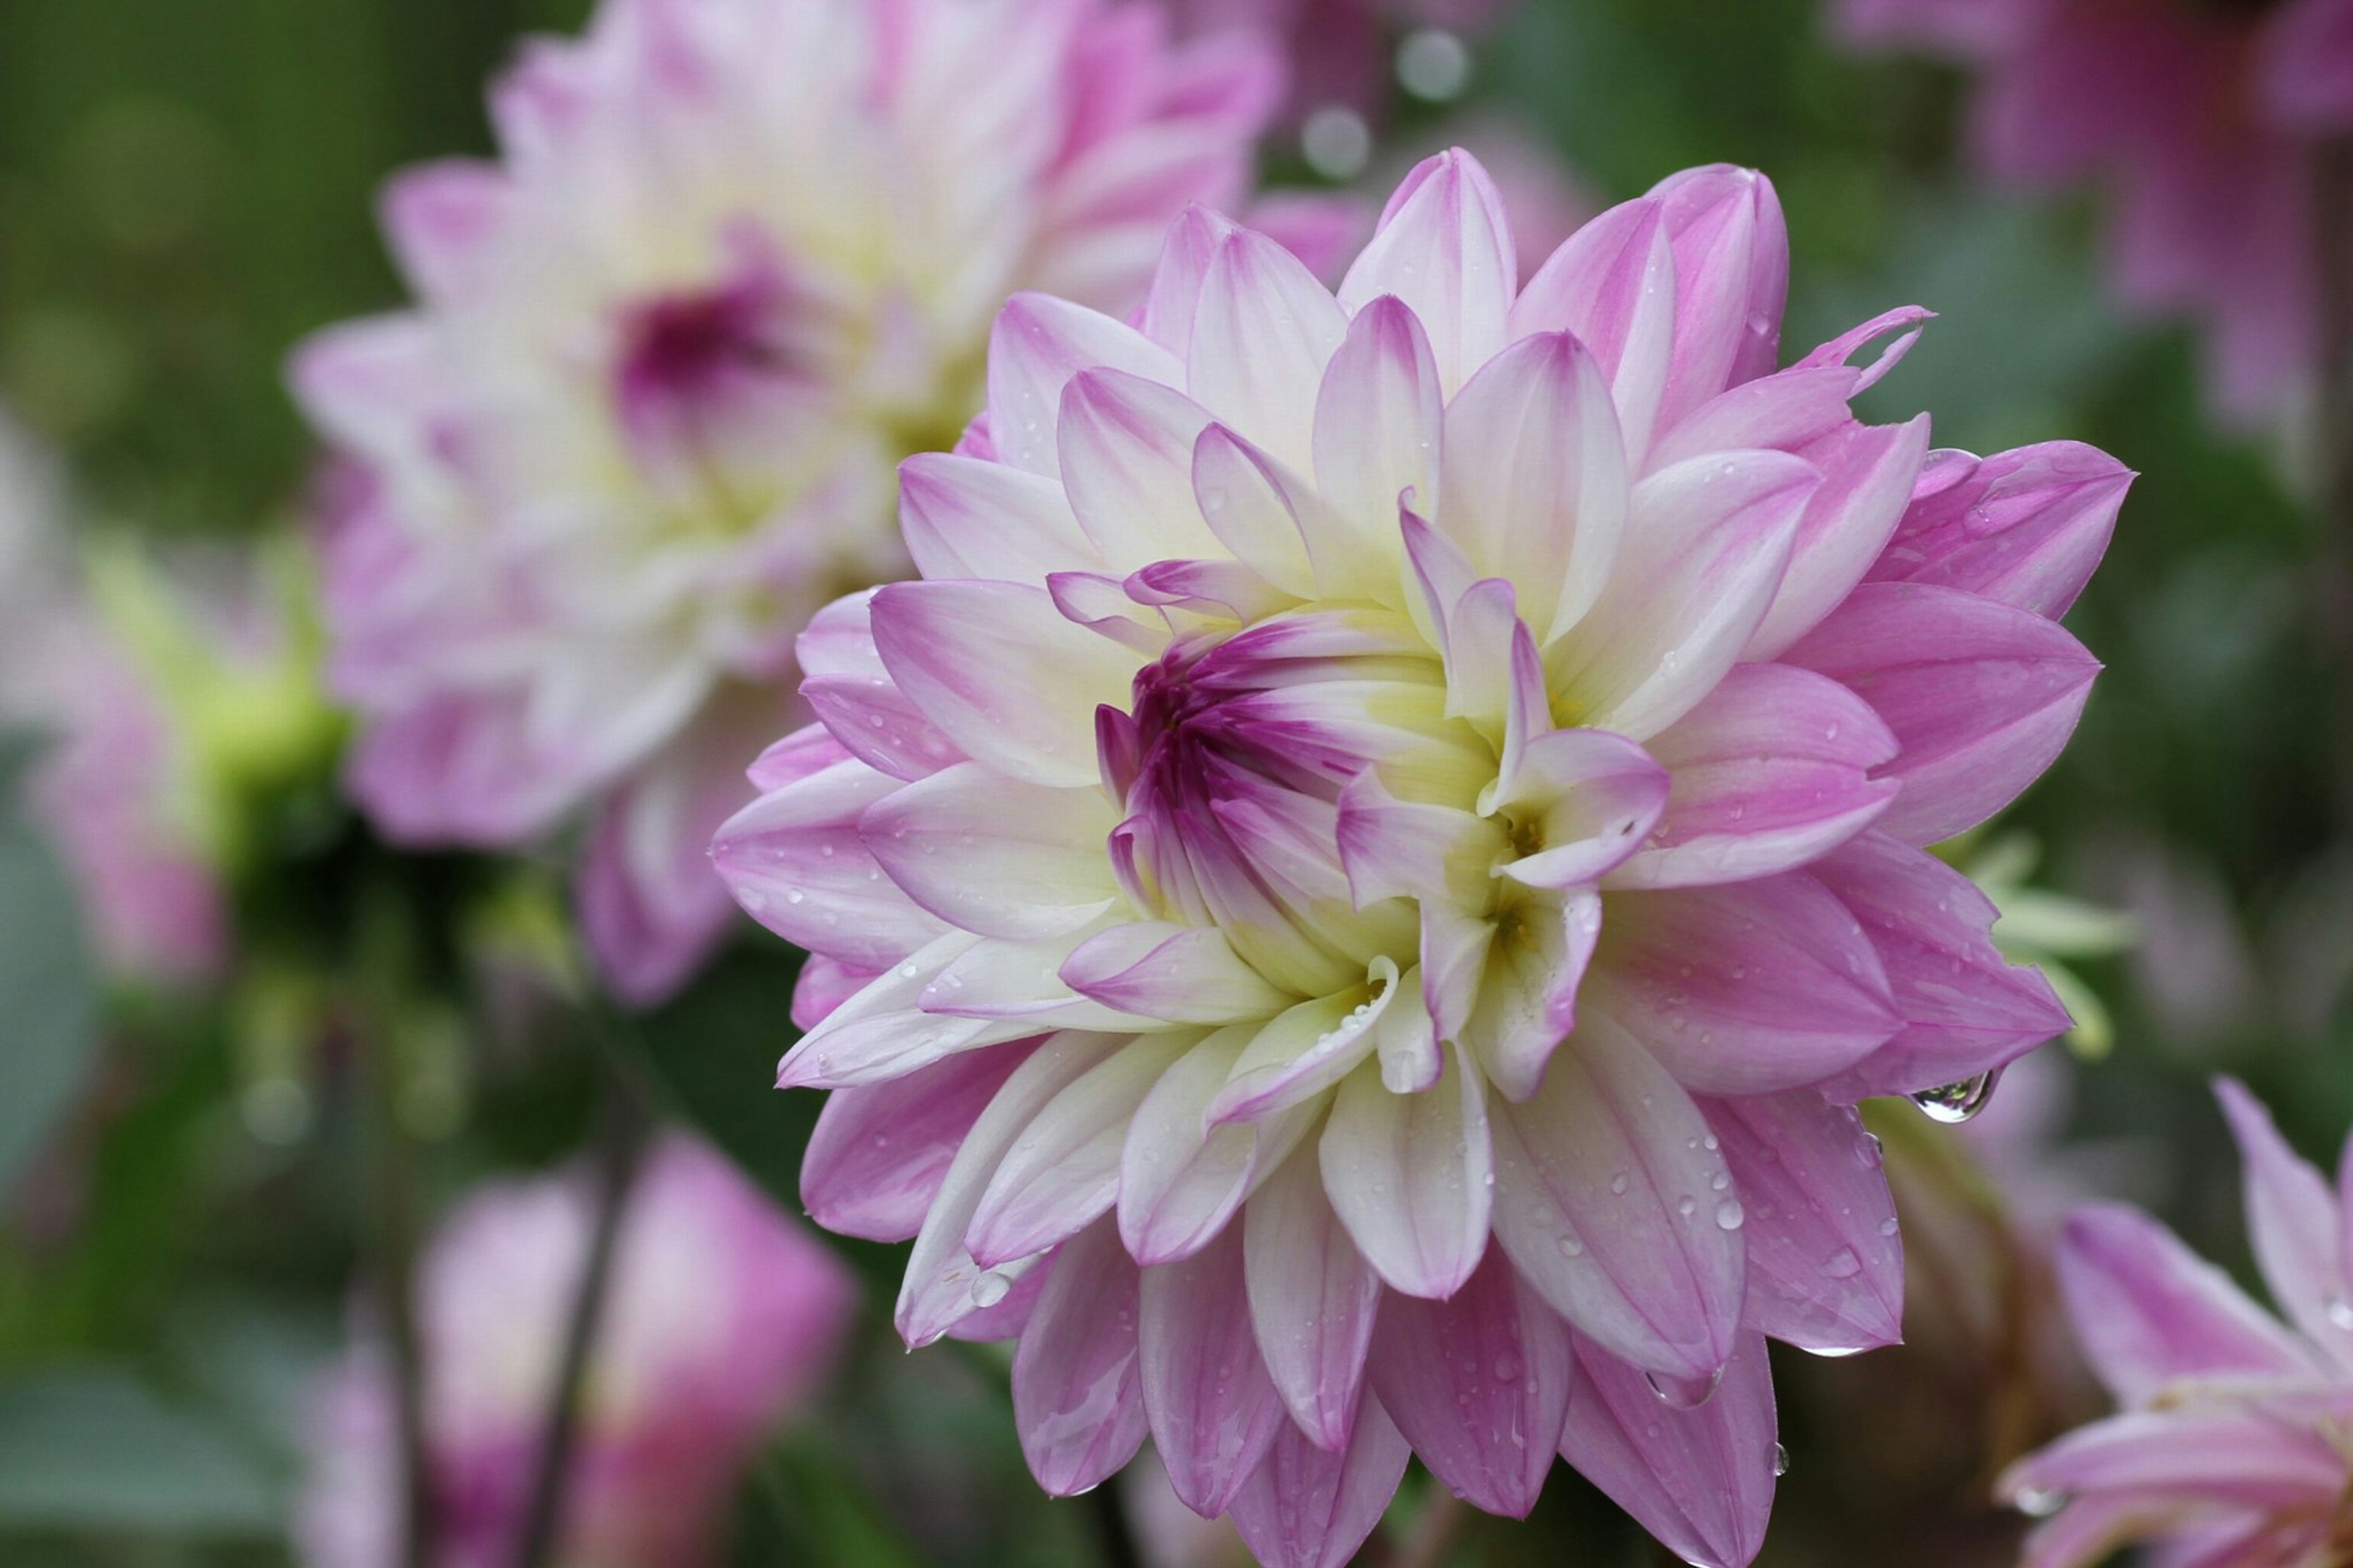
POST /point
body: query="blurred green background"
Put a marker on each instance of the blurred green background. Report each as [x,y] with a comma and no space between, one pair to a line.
[186,189]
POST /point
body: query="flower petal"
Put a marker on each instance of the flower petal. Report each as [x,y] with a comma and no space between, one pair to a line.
[2238,1460]
[992,854]
[1183,974]
[1037,344]
[1747,989]
[1702,1480]
[2025,526]
[1528,986]
[1253,509]
[2293,1220]
[1379,416]
[1305,1508]
[1213,1409]
[1732,279]
[1265,333]
[1867,474]
[1181,1178]
[1127,446]
[844,684]
[1981,696]
[1002,674]
[1825,1264]
[880,1152]
[1605,1198]
[1770,772]
[962,517]
[1407,1175]
[1479,1383]
[1612,285]
[1312,1298]
[1444,248]
[1078,1390]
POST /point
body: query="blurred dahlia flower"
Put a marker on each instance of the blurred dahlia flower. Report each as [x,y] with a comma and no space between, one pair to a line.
[2208,120]
[1354,898]
[2232,1449]
[721,1316]
[739,257]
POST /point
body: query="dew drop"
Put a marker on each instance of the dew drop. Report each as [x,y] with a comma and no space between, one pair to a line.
[1685,1393]
[1617,1183]
[990,1289]
[1686,1205]
[1956,1102]
[2340,1311]
[1571,1247]
[1780,1461]
[1843,1264]
[2036,1502]
[1889,1226]
[1730,1215]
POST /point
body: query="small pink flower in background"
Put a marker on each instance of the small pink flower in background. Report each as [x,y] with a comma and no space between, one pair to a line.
[722,1317]
[1353,902]
[2205,121]
[736,261]
[2232,1447]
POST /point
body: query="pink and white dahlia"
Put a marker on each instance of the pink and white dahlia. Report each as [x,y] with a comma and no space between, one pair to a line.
[2207,123]
[738,257]
[2235,1448]
[722,1316]
[1352,903]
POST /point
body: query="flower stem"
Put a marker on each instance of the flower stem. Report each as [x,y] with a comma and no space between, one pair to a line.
[619,1148]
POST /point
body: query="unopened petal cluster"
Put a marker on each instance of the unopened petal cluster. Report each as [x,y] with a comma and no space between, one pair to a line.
[736,258]
[1353,901]
[2232,1444]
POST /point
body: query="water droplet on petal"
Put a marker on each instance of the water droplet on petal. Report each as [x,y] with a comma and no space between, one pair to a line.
[1955,1102]
[1685,1393]
[1780,1461]
[1843,1264]
[2036,1502]
[990,1289]
[1730,1215]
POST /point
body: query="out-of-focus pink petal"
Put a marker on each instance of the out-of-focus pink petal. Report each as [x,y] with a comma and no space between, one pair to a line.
[1980,695]
[1752,988]
[2148,1312]
[1312,1298]
[2234,1459]
[1306,1508]
[1770,772]
[1700,1481]
[439,216]
[822,986]
[1078,1389]
[2306,59]
[1605,1199]
[1825,1263]
[1479,1383]
[1444,248]
[1213,1410]
[2293,1220]
[2025,526]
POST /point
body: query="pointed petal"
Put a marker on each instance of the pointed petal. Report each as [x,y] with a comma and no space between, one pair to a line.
[1706,543]
[1252,507]
[1181,1178]
[844,682]
[793,860]
[1444,248]
[1825,1261]
[1306,1049]
[1126,449]
[962,517]
[1612,285]
[1747,989]
[1479,1383]
[1078,1395]
[1305,1508]
[1592,797]
[1037,344]
[1265,333]
[1732,279]
[2148,1312]
[1700,1481]
[2247,1460]
[1535,482]
[1529,984]
[2293,1220]
[1980,695]
[1312,1298]
[1867,474]
[1379,416]
[1184,975]
[1770,772]
[880,1152]
[1063,1172]
[1593,1179]
[1214,1411]
[994,855]
[1001,673]
[1407,1174]
[2025,526]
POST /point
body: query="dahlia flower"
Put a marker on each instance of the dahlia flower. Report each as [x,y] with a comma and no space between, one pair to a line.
[2207,122]
[1355,897]
[721,1316]
[738,258]
[2232,1447]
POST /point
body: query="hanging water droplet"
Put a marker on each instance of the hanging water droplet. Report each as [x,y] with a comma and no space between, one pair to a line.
[1685,1393]
[990,1289]
[1780,1461]
[1955,1102]
[2036,1502]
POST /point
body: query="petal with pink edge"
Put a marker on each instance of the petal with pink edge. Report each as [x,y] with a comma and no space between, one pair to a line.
[2148,1312]
[880,1152]
[1181,1178]
[1612,285]
[1444,248]
[2293,1220]
[1700,1481]
[1213,1409]
[844,682]
[1306,1508]
[2239,1460]
[1312,1298]
[1078,1386]
[1751,988]
[1606,1197]
[1126,450]
[992,854]
[1867,474]
[1732,280]
[962,517]
[1407,1174]
[1982,695]
[1037,344]
[1254,508]
[1265,333]
[442,217]
[1825,1263]
[2025,526]
[1479,1383]
[1770,772]
[1377,421]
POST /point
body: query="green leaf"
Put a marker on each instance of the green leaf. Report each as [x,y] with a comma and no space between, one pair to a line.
[49,996]
[95,1450]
